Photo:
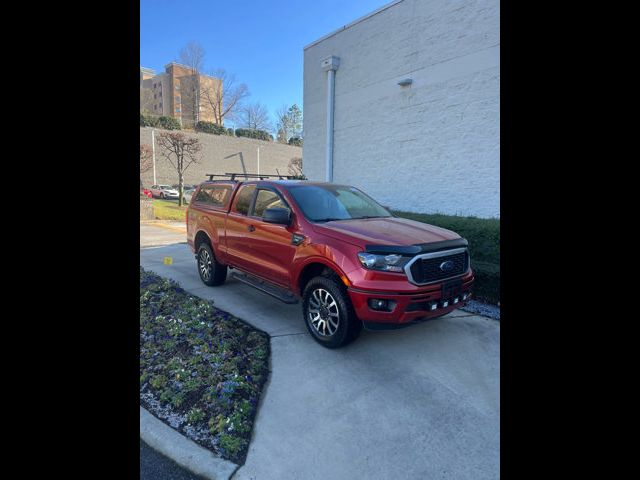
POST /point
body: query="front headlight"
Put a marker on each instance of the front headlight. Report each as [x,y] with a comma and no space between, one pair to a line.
[384,263]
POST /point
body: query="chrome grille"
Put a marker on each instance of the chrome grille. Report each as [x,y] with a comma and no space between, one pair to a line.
[431,267]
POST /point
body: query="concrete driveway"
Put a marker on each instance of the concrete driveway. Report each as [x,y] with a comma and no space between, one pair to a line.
[417,403]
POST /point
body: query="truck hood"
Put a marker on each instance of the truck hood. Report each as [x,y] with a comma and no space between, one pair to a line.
[384,231]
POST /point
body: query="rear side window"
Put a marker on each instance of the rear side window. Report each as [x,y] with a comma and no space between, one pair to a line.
[216,195]
[244,199]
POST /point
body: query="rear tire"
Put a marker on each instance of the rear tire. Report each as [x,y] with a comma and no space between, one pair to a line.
[328,313]
[212,273]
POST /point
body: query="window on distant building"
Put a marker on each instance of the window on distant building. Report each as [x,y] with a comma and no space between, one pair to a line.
[178,110]
[154,96]
[177,99]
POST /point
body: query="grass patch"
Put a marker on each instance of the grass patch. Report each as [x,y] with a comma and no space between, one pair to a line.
[168,210]
[484,246]
[201,370]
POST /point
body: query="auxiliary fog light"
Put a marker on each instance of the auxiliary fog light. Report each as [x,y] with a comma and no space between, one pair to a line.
[456,300]
[381,304]
[445,303]
[465,296]
[433,306]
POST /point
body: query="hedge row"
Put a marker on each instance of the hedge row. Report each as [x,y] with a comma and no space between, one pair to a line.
[214,128]
[166,123]
[483,235]
[250,133]
[169,123]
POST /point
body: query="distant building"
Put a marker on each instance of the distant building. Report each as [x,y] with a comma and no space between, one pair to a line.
[177,93]
[415,88]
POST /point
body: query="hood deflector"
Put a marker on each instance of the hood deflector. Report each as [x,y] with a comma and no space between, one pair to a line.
[417,249]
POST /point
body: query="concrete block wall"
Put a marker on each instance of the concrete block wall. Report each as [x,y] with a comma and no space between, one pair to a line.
[221,154]
[433,146]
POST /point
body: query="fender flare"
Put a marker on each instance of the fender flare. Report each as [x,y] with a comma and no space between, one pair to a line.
[212,240]
[322,260]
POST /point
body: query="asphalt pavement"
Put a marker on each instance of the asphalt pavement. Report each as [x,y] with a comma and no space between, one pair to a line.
[154,466]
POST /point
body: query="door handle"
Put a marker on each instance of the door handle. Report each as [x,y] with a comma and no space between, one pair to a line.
[251,228]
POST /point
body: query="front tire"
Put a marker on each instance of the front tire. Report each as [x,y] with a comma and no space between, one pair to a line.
[328,313]
[212,273]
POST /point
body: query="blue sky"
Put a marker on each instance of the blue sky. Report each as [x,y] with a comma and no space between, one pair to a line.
[260,42]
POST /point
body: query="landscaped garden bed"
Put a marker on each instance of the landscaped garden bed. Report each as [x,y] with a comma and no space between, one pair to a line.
[202,370]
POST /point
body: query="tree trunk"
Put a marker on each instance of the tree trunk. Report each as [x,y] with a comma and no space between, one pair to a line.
[180,188]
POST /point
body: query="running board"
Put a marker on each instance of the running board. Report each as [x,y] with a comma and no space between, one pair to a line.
[269,288]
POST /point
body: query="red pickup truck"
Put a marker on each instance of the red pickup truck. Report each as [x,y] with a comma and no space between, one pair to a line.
[349,260]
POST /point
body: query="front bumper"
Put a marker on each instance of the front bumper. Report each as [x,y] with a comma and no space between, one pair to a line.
[410,307]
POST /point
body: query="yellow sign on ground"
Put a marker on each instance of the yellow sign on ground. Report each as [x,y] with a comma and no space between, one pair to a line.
[168,260]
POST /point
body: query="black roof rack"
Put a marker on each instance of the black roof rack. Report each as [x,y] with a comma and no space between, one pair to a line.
[250,175]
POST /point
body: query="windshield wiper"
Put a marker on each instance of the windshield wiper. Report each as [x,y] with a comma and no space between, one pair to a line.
[328,219]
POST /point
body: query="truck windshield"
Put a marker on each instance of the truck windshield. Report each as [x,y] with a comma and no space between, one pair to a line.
[324,203]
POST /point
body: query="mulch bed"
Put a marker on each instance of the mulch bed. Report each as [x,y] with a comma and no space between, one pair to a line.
[202,370]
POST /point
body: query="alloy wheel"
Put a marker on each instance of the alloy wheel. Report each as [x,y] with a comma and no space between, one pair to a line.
[323,312]
[204,263]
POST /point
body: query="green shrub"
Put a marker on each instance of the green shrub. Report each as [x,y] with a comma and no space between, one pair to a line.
[148,121]
[210,127]
[168,123]
[487,283]
[195,415]
[230,132]
[296,141]
[250,133]
[231,444]
[158,381]
[483,235]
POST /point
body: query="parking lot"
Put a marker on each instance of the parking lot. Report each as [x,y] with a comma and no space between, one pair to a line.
[421,402]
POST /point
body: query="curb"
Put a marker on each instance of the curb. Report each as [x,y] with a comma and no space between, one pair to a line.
[156,245]
[152,222]
[183,451]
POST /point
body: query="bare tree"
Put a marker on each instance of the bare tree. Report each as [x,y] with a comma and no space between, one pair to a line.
[146,159]
[192,56]
[295,168]
[181,151]
[226,99]
[255,116]
[146,100]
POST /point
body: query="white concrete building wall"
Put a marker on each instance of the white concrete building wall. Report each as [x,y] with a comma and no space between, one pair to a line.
[432,146]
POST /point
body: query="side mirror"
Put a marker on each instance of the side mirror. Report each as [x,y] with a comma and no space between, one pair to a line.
[280,216]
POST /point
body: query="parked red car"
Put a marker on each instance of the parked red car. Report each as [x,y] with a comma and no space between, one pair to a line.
[349,260]
[146,192]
